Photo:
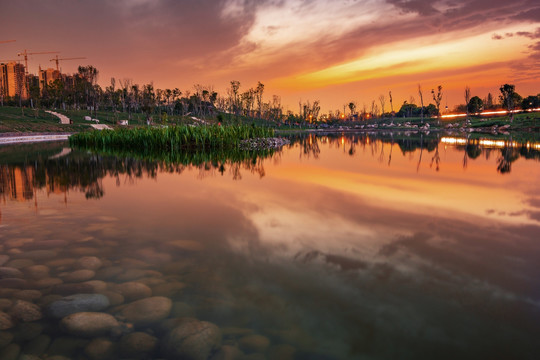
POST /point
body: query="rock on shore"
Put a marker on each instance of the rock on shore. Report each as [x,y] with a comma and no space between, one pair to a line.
[263,143]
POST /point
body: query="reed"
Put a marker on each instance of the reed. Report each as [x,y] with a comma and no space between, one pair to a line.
[170,139]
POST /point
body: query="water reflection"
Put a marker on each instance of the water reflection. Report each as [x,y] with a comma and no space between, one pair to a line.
[506,149]
[351,247]
[59,169]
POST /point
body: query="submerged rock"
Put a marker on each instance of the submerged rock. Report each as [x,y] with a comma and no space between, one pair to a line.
[101,349]
[5,321]
[137,345]
[254,343]
[89,324]
[263,143]
[192,340]
[147,311]
[25,311]
[77,303]
[133,290]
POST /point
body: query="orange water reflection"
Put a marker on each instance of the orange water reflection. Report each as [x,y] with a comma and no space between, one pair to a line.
[386,239]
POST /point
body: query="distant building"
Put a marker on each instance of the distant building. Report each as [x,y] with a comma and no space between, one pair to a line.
[47,77]
[12,80]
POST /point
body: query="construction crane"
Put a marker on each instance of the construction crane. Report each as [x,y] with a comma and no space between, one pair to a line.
[25,54]
[57,60]
[6,41]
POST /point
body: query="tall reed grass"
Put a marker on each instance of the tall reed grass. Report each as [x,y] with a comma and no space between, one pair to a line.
[170,139]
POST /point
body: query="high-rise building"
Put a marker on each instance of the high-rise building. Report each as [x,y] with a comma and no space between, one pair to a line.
[12,80]
[48,77]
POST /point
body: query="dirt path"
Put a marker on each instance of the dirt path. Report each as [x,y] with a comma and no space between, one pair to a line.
[63,118]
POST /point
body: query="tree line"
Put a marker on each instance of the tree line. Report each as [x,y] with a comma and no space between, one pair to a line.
[81,92]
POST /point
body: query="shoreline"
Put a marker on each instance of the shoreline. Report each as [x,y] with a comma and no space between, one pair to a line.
[19,138]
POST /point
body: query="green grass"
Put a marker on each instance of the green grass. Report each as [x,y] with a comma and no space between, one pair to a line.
[169,139]
[14,119]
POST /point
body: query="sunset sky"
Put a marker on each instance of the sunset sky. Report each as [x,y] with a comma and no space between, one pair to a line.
[334,51]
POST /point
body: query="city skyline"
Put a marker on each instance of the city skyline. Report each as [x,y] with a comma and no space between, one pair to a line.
[335,52]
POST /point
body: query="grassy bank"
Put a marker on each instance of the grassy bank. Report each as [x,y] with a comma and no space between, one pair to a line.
[170,139]
[17,120]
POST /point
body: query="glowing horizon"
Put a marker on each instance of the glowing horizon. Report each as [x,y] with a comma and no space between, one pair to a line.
[314,50]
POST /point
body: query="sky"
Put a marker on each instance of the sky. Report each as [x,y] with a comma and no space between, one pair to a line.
[302,50]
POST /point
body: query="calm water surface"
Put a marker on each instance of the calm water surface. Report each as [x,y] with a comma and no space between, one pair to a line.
[336,247]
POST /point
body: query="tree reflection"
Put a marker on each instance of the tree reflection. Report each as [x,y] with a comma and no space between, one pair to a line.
[507,149]
[84,172]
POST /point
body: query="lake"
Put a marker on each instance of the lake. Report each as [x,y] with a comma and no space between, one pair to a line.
[339,246]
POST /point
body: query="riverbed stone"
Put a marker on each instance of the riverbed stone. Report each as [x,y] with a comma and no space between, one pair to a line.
[181,309]
[71,289]
[10,352]
[101,349]
[138,345]
[115,298]
[20,263]
[37,255]
[67,346]
[25,311]
[6,322]
[227,352]
[77,303]
[10,272]
[78,276]
[27,331]
[108,273]
[36,272]
[98,285]
[5,304]
[254,343]
[37,346]
[46,244]
[28,295]
[89,324]
[17,242]
[60,264]
[193,340]
[13,283]
[169,289]
[5,338]
[45,283]
[3,259]
[131,275]
[89,262]
[133,290]
[147,311]
[281,352]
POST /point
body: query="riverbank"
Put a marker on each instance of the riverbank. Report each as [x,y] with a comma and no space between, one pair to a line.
[29,137]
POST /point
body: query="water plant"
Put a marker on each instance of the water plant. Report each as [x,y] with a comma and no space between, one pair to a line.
[170,139]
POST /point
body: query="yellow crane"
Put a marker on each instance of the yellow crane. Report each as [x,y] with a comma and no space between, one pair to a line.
[25,54]
[57,60]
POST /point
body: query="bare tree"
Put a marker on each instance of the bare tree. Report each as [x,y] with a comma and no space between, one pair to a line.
[259,96]
[391,104]
[437,97]
[421,102]
[467,99]
[382,100]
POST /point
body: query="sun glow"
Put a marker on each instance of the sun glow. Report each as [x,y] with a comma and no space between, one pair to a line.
[415,56]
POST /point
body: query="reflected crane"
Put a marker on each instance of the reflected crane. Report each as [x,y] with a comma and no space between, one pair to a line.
[57,60]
